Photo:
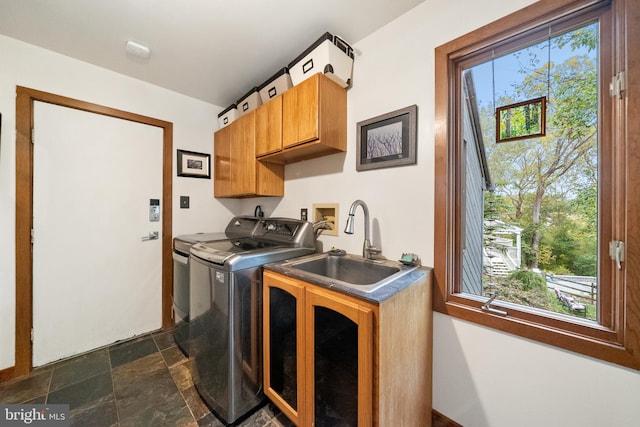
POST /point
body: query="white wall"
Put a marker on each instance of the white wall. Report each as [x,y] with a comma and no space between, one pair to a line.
[194,123]
[481,377]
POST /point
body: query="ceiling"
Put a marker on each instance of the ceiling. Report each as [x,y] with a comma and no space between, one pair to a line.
[213,50]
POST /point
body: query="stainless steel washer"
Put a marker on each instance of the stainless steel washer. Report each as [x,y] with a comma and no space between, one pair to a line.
[240,226]
[225,331]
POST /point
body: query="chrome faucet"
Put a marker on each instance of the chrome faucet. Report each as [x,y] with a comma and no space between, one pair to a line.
[368,251]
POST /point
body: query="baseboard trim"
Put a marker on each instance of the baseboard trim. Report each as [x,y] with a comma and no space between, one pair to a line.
[440,420]
[7,374]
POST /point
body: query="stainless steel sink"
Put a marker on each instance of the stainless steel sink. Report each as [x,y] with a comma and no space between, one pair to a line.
[348,270]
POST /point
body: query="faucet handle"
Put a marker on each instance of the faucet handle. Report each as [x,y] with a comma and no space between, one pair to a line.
[375,253]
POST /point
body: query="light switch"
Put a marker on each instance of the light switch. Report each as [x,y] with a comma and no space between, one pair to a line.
[184,202]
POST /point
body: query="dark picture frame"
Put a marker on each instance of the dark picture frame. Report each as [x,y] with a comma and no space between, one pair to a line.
[387,140]
[522,120]
[194,165]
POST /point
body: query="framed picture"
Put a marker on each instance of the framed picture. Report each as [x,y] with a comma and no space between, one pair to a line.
[387,140]
[194,165]
[527,119]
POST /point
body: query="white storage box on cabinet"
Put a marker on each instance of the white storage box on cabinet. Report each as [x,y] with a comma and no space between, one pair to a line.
[228,115]
[276,85]
[329,55]
[249,102]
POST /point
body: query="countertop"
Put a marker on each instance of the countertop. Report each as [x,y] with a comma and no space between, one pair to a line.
[376,297]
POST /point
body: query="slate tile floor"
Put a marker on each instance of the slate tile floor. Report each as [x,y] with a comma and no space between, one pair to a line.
[143,382]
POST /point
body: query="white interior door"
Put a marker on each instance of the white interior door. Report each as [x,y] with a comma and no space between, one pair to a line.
[95,281]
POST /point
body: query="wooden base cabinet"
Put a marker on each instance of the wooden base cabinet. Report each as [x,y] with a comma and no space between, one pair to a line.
[284,344]
[236,171]
[331,359]
[338,360]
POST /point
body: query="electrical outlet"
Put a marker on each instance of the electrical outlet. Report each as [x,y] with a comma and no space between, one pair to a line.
[303,214]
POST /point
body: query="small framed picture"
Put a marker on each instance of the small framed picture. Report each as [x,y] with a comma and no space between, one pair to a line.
[194,165]
[388,140]
[527,119]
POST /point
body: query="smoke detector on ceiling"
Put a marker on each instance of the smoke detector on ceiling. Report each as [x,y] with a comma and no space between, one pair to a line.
[138,50]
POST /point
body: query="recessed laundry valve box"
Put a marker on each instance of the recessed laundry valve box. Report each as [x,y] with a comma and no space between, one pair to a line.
[249,102]
[227,115]
[276,85]
[329,55]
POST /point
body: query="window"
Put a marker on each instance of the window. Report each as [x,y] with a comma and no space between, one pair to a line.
[530,216]
[534,201]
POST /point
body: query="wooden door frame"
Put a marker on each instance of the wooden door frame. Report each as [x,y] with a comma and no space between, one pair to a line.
[25,98]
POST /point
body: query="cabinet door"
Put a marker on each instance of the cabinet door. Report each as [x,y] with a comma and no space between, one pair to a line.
[237,173]
[269,127]
[339,360]
[243,159]
[283,343]
[269,179]
[222,162]
[300,113]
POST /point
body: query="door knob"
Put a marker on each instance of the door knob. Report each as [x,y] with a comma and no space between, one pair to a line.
[153,235]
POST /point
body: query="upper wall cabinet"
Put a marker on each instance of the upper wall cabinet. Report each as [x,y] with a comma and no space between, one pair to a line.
[269,127]
[236,171]
[307,121]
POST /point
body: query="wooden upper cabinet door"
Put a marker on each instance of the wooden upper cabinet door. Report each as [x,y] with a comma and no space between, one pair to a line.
[269,179]
[222,162]
[236,171]
[243,158]
[269,127]
[300,113]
